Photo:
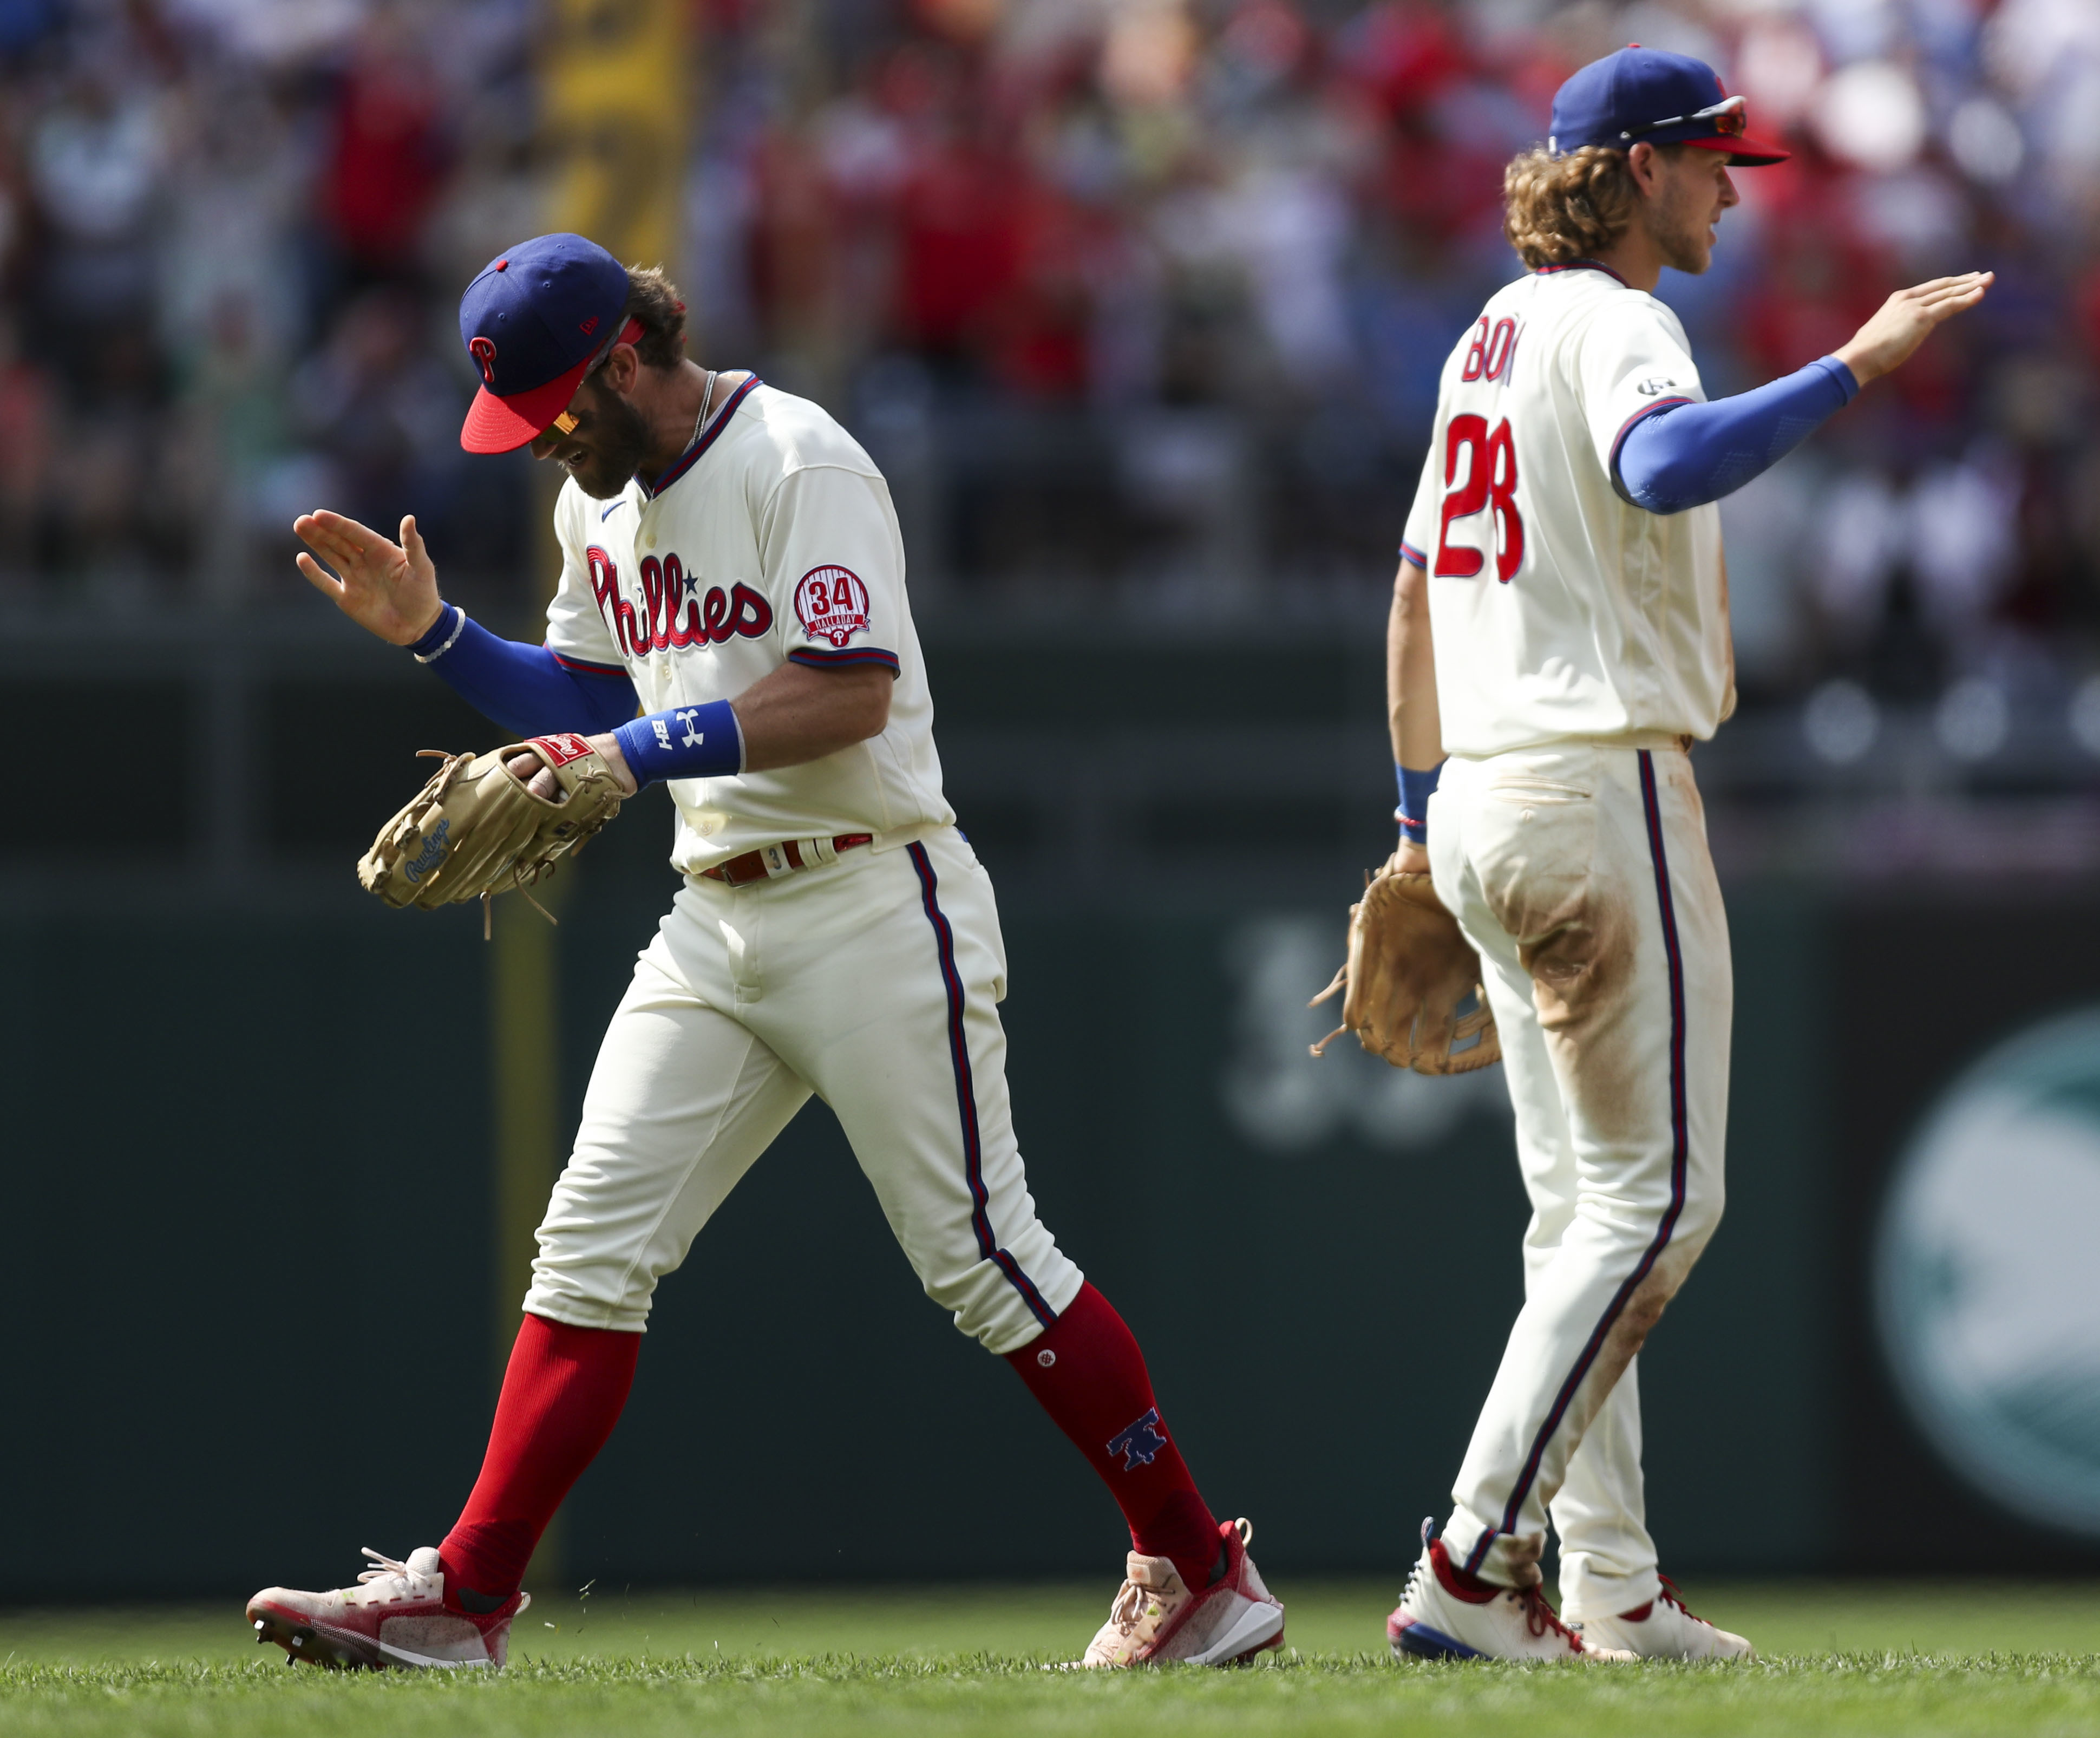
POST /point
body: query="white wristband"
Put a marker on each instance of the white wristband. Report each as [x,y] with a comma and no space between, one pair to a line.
[459,627]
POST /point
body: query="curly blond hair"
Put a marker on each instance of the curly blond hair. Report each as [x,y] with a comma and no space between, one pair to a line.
[1556,209]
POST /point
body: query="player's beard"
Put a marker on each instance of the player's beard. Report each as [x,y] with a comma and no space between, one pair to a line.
[619,444]
[1682,225]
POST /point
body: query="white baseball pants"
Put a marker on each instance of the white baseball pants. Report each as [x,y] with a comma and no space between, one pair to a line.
[872,982]
[1581,873]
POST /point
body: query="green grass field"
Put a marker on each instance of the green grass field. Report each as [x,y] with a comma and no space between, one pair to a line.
[1872,1658]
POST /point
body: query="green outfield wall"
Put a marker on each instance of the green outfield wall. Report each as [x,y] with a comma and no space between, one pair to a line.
[247,1260]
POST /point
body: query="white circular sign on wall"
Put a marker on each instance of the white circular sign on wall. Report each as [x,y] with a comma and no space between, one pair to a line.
[1988,1273]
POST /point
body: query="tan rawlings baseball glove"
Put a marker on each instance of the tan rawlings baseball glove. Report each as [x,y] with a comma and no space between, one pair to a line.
[1408,970]
[475,831]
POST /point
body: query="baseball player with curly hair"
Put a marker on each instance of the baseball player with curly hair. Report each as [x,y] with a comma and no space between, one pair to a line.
[732,563]
[1559,640]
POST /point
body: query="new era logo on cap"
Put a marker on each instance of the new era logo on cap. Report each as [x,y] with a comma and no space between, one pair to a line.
[1644,95]
[533,322]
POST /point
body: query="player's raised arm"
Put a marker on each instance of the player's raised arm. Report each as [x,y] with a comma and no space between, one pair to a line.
[391,589]
[1686,454]
[1671,185]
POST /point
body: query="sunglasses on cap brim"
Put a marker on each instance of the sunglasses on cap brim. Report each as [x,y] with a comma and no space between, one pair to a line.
[1731,117]
[630,333]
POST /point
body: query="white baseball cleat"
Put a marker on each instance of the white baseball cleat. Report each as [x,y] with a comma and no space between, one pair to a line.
[1155,1619]
[1441,1617]
[1664,1629]
[395,1615]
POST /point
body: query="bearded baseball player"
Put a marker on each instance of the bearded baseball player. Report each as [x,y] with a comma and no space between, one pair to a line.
[732,562]
[1559,640]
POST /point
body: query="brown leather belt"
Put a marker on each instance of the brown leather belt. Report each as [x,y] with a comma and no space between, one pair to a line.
[769,863]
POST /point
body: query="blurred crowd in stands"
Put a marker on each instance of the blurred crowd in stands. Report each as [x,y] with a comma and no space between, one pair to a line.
[1140,303]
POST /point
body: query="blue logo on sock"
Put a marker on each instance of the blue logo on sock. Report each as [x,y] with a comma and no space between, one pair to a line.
[1140,1443]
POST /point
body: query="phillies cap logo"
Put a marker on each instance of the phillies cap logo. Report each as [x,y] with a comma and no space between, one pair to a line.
[483,351]
[832,604]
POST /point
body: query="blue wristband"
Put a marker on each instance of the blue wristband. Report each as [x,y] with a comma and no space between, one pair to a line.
[1413,813]
[683,742]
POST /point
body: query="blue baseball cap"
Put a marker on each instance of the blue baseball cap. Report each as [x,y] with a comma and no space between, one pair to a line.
[1667,99]
[535,321]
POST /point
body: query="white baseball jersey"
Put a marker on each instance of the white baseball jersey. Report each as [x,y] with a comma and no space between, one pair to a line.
[772,539]
[1558,609]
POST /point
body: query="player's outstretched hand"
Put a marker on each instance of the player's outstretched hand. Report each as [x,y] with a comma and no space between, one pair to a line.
[391,588]
[1905,321]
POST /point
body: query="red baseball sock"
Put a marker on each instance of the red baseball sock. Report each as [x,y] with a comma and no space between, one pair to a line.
[1089,1373]
[561,1396]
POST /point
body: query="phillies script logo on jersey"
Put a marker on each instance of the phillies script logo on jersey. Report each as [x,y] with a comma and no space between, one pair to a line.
[675,613]
[832,604]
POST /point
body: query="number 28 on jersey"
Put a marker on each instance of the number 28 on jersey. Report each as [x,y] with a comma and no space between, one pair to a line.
[1479,516]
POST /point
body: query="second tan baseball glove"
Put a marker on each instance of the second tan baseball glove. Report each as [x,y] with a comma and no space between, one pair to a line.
[1408,969]
[475,831]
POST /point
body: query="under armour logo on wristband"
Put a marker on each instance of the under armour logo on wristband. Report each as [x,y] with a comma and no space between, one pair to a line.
[1141,1443]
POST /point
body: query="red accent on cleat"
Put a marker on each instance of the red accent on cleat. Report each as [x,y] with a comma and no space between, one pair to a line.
[1461,1584]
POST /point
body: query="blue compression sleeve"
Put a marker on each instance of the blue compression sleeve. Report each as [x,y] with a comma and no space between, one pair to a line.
[523,688]
[1685,455]
[683,742]
[1415,789]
